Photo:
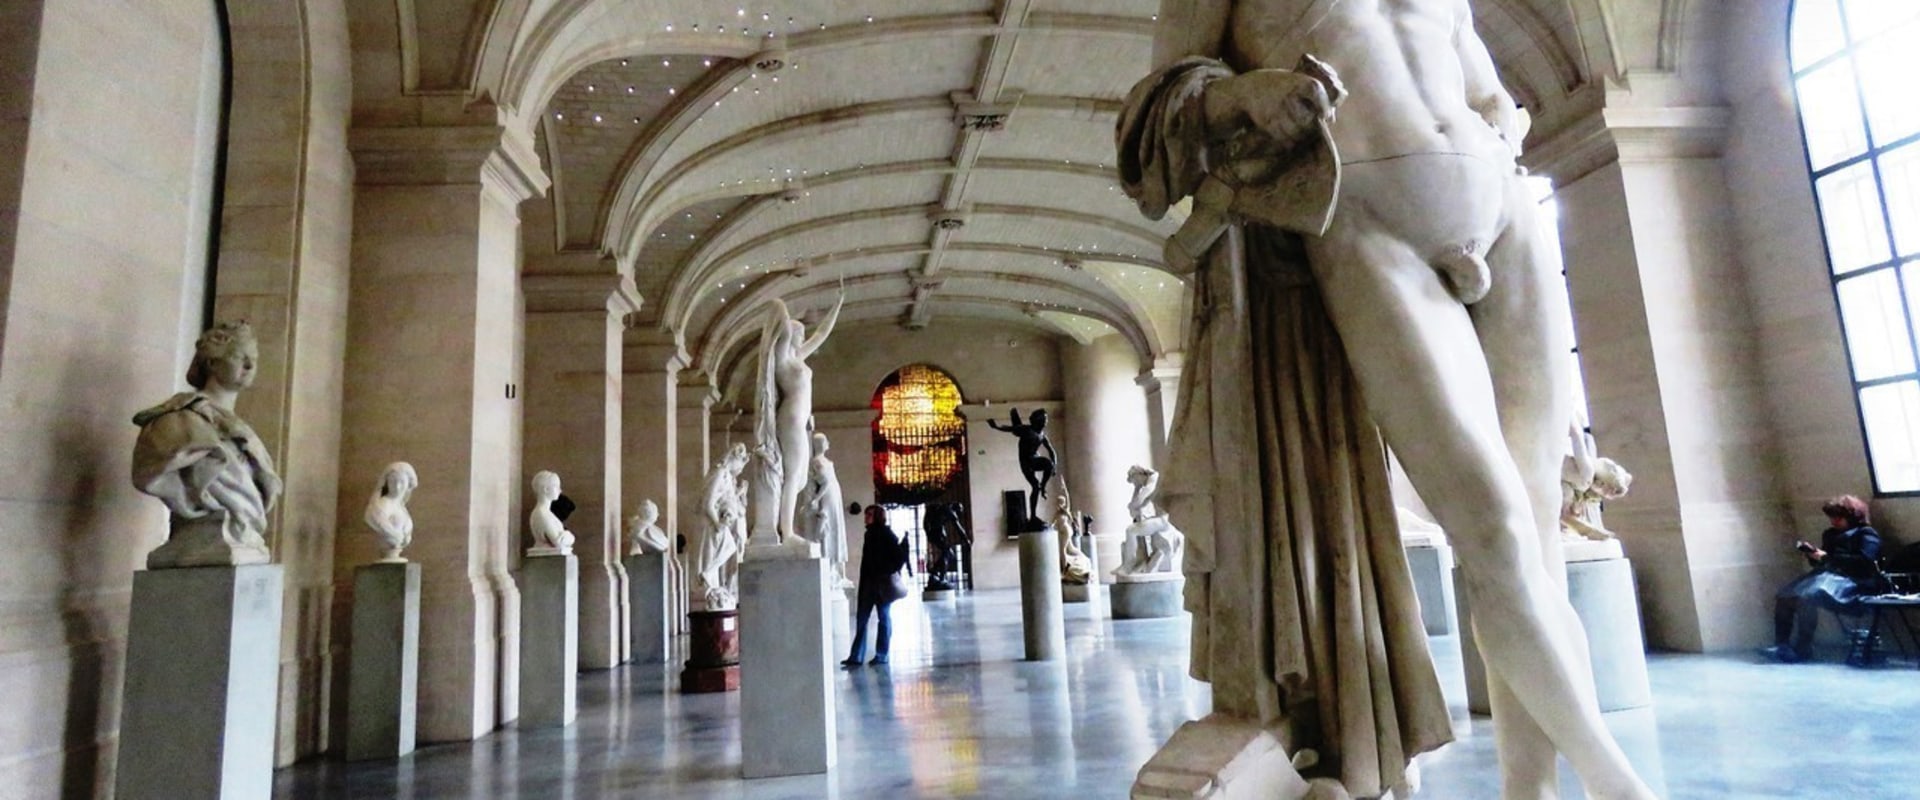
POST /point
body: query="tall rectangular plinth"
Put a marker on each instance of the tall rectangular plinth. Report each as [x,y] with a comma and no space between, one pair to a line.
[202,682]
[549,641]
[786,670]
[1041,618]
[649,587]
[384,681]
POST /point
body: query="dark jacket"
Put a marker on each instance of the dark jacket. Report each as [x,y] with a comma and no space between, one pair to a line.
[881,555]
[1851,552]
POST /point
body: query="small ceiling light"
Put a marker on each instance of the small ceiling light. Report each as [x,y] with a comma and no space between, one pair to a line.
[629,90]
[623,62]
[559,115]
[869,18]
[666,62]
[592,88]
[670,27]
[706,62]
[672,91]
[596,118]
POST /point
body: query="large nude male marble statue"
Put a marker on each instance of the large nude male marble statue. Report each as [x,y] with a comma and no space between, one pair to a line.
[1404,217]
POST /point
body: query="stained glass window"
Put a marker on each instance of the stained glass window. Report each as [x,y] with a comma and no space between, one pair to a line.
[919,438]
[1853,64]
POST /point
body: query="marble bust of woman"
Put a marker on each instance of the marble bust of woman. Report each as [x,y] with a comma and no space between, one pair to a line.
[205,463]
[387,510]
[643,528]
[550,536]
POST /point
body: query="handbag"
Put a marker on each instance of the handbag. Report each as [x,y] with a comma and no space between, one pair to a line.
[896,588]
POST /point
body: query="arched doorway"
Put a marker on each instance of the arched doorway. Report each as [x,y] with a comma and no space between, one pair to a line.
[920,459]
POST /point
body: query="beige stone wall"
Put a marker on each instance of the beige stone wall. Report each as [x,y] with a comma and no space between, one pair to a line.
[1106,419]
[111,222]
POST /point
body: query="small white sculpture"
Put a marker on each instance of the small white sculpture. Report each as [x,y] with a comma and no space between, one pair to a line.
[645,537]
[821,520]
[784,410]
[550,536]
[387,512]
[1153,545]
[717,564]
[205,463]
[1585,483]
[1075,567]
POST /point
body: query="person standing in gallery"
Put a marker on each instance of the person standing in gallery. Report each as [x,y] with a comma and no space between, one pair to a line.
[882,556]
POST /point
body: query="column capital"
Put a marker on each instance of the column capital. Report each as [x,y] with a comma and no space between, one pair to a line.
[1611,135]
[650,349]
[447,154]
[609,292]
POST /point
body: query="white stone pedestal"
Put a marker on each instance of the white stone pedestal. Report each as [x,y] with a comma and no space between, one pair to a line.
[1602,594]
[1041,617]
[549,641]
[1432,569]
[383,684]
[1221,758]
[649,584]
[202,681]
[786,670]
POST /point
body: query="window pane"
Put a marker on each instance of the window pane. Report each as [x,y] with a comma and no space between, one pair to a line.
[1888,67]
[1901,171]
[1830,111]
[1876,326]
[1868,17]
[1892,416]
[1816,31]
[1850,206]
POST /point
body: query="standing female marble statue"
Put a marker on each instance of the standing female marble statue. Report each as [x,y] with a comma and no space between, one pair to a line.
[723,503]
[784,402]
[821,511]
[387,514]
[1392,252]
[205,463]
[550,535]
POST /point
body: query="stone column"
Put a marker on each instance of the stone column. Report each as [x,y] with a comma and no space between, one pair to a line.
[1106,432]
[1162,387]
[650,454]
[573,406]
[693,456]
[1668,349]
[432,329]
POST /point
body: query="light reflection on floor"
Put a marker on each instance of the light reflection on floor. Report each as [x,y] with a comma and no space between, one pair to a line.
[959,715]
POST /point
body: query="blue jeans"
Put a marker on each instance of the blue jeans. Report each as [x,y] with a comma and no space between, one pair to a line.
[867,607]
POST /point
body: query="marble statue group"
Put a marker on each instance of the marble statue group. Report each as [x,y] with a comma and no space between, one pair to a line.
[1360,229]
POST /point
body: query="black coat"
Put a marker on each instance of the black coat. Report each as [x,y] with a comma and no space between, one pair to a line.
[881,555]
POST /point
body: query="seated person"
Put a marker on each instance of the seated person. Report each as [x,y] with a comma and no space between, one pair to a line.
[1844,569]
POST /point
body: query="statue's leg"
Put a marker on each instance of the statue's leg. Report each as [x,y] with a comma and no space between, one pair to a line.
[1419,361]
[1035,485]
[1526,331]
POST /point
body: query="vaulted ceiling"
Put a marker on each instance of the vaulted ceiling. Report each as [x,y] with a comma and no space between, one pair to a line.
[927,159]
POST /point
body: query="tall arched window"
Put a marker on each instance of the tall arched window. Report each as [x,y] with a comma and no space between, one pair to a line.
[1855,63]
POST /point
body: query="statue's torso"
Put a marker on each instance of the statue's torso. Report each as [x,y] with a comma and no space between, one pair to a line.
[1398,59]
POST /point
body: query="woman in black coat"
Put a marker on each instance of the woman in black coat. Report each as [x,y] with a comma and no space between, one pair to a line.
[882,555]
[1844,568]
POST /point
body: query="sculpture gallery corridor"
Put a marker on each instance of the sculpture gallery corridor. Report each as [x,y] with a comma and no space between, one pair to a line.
[1160,399]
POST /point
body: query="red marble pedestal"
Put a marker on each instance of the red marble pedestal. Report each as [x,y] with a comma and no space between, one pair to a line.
[713,653]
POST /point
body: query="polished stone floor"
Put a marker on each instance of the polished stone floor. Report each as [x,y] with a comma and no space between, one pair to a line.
[959,715]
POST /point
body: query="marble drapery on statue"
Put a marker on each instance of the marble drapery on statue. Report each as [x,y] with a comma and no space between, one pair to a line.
[723,508]
[205,463]
[822,517]
[1304,615]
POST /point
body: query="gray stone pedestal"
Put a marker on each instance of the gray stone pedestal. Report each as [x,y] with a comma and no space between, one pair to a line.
[1148,599]
[648,586]
[1041,617]
[1602,595]
[786,670]
[549,641]
[383,684]
[202,682]
[1432,569]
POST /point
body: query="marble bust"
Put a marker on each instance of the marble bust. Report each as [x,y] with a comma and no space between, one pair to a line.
[550,535]
[205,463]
[645,537]
[1153,545]
[387,514]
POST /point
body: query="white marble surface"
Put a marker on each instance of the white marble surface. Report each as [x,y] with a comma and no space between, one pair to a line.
[787,720]
[550,536]
[549,641]
[202,670]
[383,685]
[649,584]
[387,514]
